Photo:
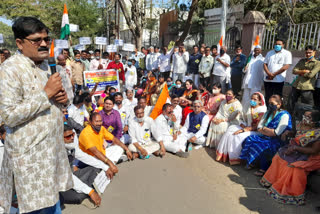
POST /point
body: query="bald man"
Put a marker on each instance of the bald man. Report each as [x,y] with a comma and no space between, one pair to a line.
[65,74]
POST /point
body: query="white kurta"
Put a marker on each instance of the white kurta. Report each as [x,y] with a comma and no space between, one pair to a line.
[34,155]
[131,76]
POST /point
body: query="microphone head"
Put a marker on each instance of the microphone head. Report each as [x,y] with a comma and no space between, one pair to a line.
[51,61]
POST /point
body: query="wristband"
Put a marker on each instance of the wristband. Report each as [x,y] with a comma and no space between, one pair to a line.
[106,160]
[91,192]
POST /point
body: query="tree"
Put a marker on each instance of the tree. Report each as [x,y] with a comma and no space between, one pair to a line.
[136,18]
[8,37]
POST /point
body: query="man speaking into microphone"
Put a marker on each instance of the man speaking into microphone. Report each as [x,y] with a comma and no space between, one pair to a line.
[35,162]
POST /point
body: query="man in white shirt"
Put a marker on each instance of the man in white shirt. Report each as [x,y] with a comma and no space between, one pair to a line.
[276,63]
[164,62]
[131,74]
[151,60]
[221,70]
[177,111]
[96,63]
[205,67]
[140,131]
[180,63]
[142,102]
[82,178]
[105,60]
[124,112]
[163,131]
[77,111]
[253,79]
[196,125]
[130,101]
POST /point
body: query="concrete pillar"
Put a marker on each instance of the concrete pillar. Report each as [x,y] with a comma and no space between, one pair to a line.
[253,25]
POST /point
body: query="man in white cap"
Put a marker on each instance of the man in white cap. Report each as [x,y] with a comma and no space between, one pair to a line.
[253,79]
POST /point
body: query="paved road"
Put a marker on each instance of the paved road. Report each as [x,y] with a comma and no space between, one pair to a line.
[194,185]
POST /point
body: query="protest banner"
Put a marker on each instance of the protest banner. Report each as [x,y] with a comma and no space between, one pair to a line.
[112,48]
[1,38]
[60,43]
[85,40]
[74,28]
[103,77]
[100,40]
[128,47]
[118,42]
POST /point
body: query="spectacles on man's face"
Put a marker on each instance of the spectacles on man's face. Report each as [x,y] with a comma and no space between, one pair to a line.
[68,137]
[38,41]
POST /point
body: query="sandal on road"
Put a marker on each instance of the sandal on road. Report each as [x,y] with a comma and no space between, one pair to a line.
[260,173]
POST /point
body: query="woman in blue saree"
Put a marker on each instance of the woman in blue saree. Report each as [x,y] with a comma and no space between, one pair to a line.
[261,148]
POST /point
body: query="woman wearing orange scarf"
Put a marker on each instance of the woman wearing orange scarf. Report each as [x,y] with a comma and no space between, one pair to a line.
[150,87]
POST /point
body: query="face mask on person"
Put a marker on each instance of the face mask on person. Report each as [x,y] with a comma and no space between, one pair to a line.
[66,116]
[228,98]
[140,120]
[272,107]
[129,63]
[77,60]
[178,86]
[277,48]
[166,116]
[124,61]
[253,103]
[97,57]
[215,91]
[112,93]
[96,128]
[70,146]
[221,52]
[169,83]
[310,58]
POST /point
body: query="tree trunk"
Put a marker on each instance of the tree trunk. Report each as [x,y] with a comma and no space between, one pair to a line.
[187,27]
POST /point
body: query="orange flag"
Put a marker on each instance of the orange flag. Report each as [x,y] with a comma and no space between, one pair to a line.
[52,49]
[221,41]
[157,110]
[257,41]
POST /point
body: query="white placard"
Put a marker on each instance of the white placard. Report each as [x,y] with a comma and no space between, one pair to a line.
[100,40]
[1,38]
[101,182]
[128,47]
[60,43]
[85,40]
[74,28]
[79,47]
[118,42]
[112,49]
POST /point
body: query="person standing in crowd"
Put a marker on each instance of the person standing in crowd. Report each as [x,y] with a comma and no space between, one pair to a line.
[7,53]
[163,131]
[164,62]
[253,79]
[136,56]
[276,64]
[2,57]
[66,54]
[96,64]
[131,74]
[307,70]
[65,75]
[237,64]
[77,69]
[205,67]
[84,60]
[130,101]
[34,124]
[140,131]
[151,60]
[105,60]
[77,110]
[221,70]
[202,50]
[179,63]
[118,66]
[193,65]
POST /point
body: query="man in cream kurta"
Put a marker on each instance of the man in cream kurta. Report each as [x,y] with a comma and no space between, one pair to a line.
[35,161]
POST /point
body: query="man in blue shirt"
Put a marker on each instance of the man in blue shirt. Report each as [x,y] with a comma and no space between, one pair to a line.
[193,65]
[237,64]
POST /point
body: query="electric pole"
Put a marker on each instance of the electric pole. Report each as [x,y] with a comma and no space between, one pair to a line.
[224,19]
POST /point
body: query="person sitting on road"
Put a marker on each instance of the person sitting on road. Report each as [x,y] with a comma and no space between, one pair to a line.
[163,131]
[77,110]
[196,125]
[124,114]
[92,138]
[140,131]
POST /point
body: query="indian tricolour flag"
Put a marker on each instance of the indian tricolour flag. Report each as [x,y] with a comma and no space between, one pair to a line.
[65,28]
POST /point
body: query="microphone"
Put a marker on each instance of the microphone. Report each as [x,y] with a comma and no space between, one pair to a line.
[52,64]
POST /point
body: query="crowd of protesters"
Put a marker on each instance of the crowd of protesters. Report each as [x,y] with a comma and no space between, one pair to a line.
[233,105]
